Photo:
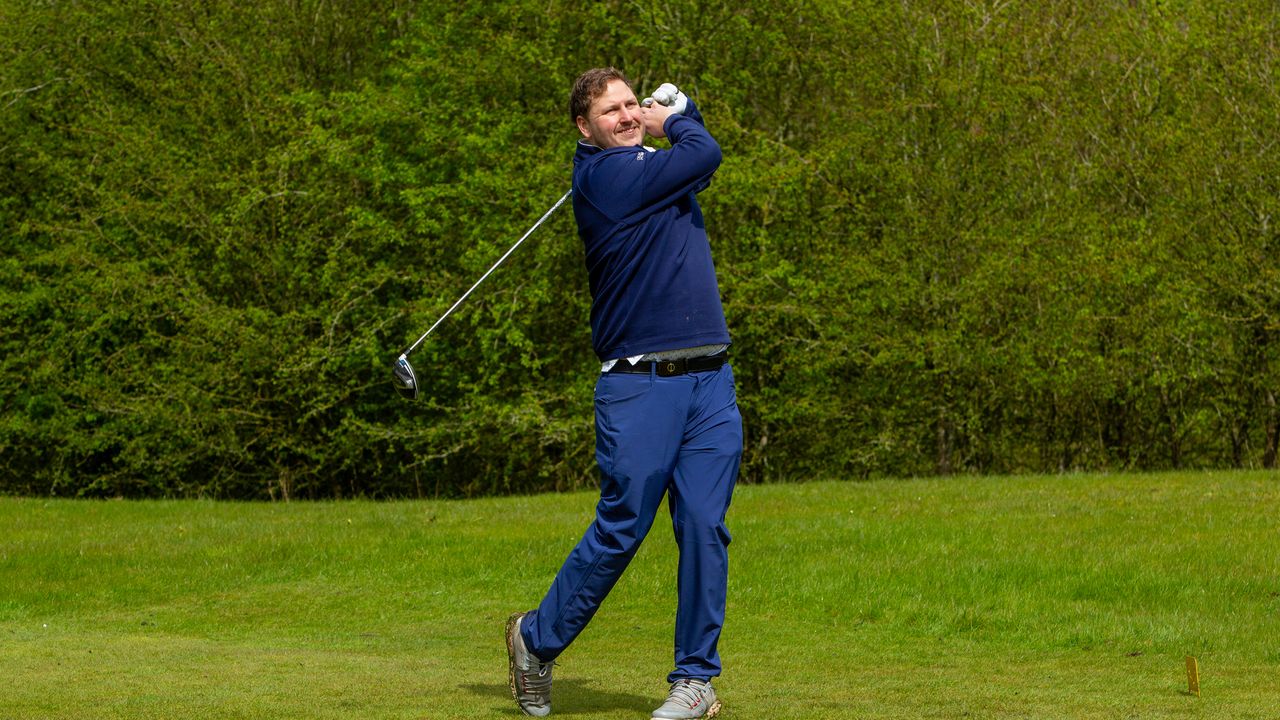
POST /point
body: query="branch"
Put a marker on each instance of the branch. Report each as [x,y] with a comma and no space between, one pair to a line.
[26,91]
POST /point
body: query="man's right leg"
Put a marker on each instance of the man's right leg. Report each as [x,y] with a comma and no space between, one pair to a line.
[639,424]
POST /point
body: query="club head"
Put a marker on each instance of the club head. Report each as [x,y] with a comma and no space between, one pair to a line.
[403,377]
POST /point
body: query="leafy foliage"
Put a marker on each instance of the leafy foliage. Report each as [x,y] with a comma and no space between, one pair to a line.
[952,237]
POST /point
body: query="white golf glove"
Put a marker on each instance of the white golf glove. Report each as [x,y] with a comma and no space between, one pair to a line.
[667,94]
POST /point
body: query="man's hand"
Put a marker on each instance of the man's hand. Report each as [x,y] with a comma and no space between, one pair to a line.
[666,101]
[654,117]
[667,94]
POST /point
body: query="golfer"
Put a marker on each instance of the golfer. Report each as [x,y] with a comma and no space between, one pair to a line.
[667,419]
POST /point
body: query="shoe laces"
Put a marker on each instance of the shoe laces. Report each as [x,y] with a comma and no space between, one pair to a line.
[539,681]
[686,691]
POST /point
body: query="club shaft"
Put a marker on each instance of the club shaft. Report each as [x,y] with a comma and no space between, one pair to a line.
[446,314]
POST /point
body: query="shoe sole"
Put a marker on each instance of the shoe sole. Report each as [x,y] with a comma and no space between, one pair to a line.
[511,656]
[712,711]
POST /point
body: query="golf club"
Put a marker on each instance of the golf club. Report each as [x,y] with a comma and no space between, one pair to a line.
[403,375]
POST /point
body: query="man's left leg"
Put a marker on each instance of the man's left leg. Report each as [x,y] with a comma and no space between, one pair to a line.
[705,475]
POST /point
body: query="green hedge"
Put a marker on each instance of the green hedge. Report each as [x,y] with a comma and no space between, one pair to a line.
[952,237]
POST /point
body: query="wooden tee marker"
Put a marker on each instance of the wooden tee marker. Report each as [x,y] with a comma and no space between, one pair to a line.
[1193,676]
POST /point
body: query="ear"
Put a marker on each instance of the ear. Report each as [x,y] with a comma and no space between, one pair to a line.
[583,127]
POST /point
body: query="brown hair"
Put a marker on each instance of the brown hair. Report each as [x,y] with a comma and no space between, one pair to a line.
[589,86]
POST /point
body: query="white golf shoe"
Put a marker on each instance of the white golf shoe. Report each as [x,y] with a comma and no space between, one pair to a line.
[689,699]
[530,677]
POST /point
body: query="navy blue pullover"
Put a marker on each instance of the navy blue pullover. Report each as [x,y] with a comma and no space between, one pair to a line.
[653,285]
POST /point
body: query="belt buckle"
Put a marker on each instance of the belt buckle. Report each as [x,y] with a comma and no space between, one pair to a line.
[667,368]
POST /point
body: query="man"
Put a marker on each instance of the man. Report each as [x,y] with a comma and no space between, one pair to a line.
[667,418]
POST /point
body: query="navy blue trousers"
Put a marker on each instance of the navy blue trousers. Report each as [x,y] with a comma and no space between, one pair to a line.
[680,436]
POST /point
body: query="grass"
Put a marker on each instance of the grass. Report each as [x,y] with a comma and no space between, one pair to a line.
[1036,597]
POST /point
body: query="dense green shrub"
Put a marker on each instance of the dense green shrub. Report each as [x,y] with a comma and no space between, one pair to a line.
[952,237]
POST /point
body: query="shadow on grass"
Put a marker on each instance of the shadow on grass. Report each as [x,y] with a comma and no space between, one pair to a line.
[571,697]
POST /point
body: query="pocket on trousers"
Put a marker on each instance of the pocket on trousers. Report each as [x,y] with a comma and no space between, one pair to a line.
[614,395]
[620,388]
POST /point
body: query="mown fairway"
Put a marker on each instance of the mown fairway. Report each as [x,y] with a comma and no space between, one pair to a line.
[1041,597]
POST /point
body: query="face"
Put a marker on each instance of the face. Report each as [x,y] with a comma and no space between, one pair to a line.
[614,118]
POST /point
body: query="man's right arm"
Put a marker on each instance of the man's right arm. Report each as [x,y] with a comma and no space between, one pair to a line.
[687,167]
[623,185]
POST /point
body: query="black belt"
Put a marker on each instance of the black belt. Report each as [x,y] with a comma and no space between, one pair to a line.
[667,368]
